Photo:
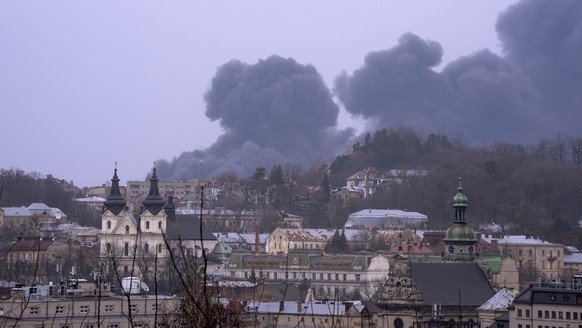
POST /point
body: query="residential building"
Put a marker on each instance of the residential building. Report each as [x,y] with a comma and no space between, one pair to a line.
[95,203]
[328,275]
[530,253]
[34,259]
[30,215]
[385,219]
[90,309]
[547,305]
[306,314]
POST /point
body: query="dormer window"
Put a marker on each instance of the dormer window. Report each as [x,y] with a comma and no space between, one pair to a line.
[108,224]
[147,225]
[127,230]
[160,225]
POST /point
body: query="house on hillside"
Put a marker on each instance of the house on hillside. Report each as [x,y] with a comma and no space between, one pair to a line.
[31,215]
[385,219]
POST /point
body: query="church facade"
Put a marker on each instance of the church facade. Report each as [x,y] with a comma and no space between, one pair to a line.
[145,245]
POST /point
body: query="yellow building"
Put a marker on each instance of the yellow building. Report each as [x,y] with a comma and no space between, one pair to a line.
[530,252]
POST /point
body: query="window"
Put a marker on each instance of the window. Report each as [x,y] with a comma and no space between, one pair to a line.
[113,325]
[553,314]
[147,225]
[560,315]
[109,308]
[575,315]
[146,248]
[34,310]
[159,248]
[108,247]
[127,230]
[530,253]
[60,309]
[155,307]
[519,313]
[126,249]
[159,224]
[527,313]
[133,308]
[108,224]
[546,314]
[85,309]
[540,313]
[357,277]
[345,277]
[567,315]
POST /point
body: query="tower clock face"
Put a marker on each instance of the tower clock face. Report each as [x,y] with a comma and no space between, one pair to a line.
[451,249]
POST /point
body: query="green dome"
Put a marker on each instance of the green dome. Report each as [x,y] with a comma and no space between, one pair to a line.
[460,232]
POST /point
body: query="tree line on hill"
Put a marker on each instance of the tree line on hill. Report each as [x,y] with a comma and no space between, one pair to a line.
[528,189]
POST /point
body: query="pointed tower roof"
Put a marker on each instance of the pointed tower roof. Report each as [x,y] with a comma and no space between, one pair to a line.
[154,202]
[115,202]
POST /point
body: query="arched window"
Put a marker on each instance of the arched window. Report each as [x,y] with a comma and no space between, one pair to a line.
[160,225]
[127,230]
[108,224]
[147,225]
[146,248]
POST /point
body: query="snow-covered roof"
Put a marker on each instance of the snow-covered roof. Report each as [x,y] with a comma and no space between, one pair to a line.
[518,240]
[307,309]
[500,301]
[377,217]
[574,258]
[90,199]
[32,210]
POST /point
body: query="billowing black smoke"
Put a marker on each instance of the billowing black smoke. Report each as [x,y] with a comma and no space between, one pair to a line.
[275,111]
[278,111]
[533,91]
[544,38]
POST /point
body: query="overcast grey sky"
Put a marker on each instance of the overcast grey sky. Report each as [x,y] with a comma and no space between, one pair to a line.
[86,83]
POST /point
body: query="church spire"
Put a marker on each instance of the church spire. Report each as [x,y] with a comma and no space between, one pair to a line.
[154,202]
[460,205]
[115,202]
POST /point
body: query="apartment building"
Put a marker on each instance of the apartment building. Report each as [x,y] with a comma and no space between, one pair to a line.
[545,256]
[329,276]
[547,306]
[112,311]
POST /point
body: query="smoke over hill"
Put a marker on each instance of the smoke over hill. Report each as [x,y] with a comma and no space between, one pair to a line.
[278,110]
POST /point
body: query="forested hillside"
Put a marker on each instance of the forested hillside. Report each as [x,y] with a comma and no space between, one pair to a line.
[536,188]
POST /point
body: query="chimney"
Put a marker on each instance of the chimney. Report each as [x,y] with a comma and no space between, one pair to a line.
[494,244]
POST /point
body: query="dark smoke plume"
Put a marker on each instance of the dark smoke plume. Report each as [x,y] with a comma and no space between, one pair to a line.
[275,111]
[278,111]
[533,91]
[481,95]
[544,38]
